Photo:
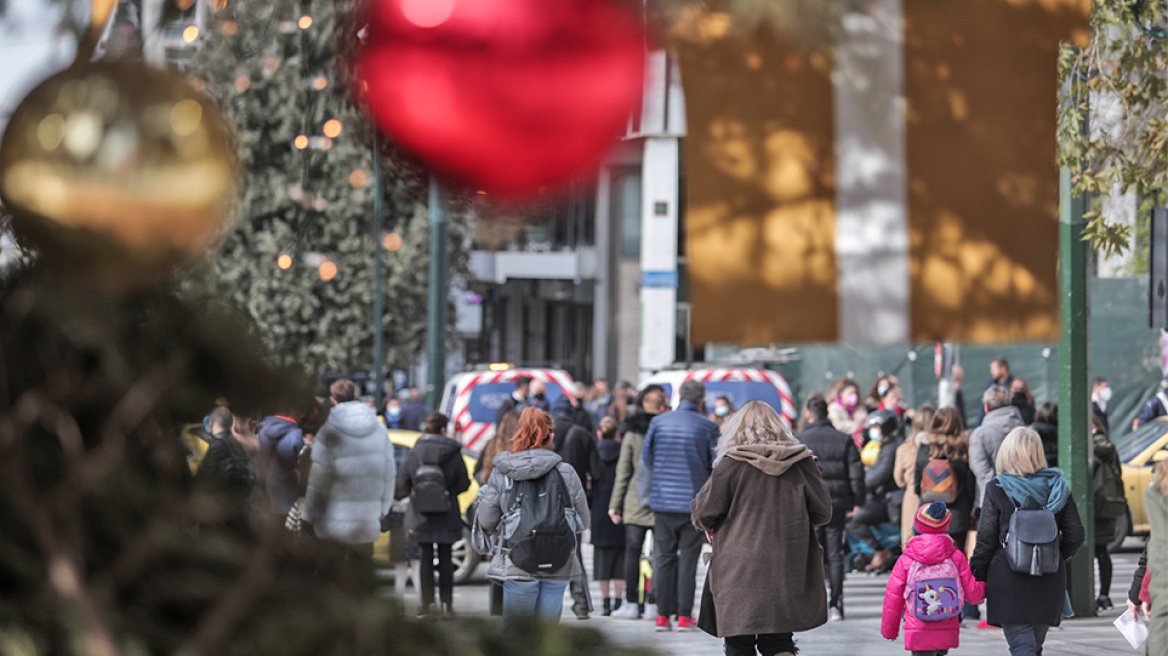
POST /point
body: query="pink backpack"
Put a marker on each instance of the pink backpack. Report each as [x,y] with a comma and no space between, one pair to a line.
[933,592]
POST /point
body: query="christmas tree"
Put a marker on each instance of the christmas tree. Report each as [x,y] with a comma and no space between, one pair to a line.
[300,259]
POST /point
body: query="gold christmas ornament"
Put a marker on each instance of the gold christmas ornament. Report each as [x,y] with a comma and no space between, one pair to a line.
[117,171]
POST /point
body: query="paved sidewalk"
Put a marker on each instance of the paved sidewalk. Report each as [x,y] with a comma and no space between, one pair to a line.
[858,634]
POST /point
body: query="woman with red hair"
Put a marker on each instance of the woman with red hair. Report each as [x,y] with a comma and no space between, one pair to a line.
[534,506]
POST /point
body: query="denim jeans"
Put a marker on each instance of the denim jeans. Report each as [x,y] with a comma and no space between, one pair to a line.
[540,599]
[1025,639]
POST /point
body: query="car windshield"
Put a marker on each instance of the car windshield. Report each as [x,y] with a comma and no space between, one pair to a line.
[486,398]
[1134,443]
[742,391]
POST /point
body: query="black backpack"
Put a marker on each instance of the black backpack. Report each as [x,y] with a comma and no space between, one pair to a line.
[1032,543]
[429,495]
[542,540]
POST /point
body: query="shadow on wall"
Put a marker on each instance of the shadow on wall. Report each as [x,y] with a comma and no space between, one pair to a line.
[981,84]
[761,200]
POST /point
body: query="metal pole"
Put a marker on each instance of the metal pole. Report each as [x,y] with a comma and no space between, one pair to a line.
[436,304]
[378,316]
[1074,407]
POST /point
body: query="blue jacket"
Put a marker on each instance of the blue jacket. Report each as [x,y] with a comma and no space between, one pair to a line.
[280,443]
[679,449]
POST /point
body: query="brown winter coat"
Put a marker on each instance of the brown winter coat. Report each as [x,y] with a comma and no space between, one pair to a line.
[762,504]
[904,472]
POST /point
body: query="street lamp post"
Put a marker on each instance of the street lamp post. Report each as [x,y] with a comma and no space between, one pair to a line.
[436,304]
[378,327]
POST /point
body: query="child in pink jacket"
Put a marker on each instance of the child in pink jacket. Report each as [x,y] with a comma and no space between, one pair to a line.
[933,579]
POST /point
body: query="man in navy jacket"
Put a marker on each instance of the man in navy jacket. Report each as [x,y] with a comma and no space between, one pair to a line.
[679,453]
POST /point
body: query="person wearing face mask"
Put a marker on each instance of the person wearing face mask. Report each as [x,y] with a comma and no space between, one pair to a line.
[539,395]
[1100,395]
[845,412]
[393,414]
[883,496]
[723,408]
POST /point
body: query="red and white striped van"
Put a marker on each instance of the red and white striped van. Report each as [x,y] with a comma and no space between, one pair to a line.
[472,399]
[738,384]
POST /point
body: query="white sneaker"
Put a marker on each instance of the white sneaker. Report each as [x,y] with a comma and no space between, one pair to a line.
[627,611]
[650,611]
[834,614]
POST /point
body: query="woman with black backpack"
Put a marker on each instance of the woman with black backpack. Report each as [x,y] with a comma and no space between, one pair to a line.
[1110,505]
[534,507]
[943,473]
[432,476]
[1023,568]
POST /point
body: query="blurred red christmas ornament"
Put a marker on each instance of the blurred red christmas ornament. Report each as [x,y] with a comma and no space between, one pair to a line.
[504,95]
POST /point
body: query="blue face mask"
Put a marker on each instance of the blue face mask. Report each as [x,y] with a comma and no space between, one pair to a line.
[875,434]
[394,411]
[721,411]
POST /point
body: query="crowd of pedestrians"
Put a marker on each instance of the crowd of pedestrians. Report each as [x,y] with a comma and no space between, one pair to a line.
[955,516]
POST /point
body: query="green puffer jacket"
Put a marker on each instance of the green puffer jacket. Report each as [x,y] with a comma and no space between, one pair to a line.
[624,490]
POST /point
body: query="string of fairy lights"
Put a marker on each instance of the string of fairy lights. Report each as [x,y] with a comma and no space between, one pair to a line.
[308,142]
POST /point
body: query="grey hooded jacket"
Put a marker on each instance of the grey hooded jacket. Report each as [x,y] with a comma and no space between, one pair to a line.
[351,483]
[495,496]
[986,440]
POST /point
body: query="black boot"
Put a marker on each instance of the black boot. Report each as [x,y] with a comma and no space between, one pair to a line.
[616,603]
[607,607]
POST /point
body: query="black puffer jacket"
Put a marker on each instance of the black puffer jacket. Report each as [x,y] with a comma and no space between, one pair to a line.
[839,463]
[579,449]
[879,481]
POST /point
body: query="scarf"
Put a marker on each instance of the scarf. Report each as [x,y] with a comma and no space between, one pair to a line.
[1043,489]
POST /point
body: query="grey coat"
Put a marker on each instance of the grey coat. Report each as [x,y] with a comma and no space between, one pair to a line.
[985,441]
[351,483]
[494,499]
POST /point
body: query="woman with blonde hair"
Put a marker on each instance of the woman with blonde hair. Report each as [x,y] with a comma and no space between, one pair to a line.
[1025,606]
[759,509]
[530,591]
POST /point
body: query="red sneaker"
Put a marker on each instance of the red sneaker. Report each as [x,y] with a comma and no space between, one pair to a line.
[663,623]
[686,624]
[985,624]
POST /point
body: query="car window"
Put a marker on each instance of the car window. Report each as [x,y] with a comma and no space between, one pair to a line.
[1134,443]
[399,455]
[485,399]
[742,391]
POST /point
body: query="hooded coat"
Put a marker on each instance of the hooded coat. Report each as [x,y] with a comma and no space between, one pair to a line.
[624,489]
[351,483]
[762,504]
[984,442]
[919,635]
[1011,597]
[439,528]
[495,499]
[281,441]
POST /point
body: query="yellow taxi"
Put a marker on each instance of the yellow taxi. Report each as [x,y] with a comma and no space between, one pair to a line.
[1138,452]
[465,558]
[195,440]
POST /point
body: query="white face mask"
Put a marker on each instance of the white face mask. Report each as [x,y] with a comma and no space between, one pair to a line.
[875,434]
[1105,394]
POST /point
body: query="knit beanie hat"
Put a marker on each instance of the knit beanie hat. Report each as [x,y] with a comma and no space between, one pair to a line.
[933,518]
